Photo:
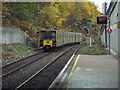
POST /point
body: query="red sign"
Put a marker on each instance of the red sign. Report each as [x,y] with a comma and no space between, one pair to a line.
[109,30]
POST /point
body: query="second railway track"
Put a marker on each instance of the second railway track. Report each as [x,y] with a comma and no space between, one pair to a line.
[14,67]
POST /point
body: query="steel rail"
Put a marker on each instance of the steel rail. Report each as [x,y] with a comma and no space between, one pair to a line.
[40,71]
[63,70]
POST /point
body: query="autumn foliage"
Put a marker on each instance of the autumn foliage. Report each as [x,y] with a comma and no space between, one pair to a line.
[33,16]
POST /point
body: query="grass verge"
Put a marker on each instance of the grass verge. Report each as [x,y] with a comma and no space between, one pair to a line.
[95,49]
[15,51]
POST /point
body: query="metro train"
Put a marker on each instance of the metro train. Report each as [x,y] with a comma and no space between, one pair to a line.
[56,38]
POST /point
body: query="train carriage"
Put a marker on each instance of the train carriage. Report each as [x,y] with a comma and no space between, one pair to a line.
[56,38]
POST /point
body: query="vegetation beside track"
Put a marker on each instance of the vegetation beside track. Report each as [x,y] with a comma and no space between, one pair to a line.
[15,51]
[95,49]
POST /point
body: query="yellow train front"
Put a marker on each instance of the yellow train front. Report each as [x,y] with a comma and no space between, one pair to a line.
[47,39]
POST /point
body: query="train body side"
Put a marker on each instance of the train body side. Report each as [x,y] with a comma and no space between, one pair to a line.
[59,38]
[78,38]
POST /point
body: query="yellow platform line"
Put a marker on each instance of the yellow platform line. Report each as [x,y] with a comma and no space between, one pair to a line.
[75,62]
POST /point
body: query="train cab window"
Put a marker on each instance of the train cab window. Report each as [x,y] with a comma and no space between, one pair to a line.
[53,35]
[48,35]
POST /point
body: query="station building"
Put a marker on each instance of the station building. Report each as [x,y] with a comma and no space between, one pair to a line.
[113,14]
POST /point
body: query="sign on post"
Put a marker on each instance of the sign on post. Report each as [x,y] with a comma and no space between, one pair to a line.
[102,20]
[109,31]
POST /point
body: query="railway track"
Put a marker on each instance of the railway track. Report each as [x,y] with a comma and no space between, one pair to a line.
[15,66]
[12,80]
[42,72]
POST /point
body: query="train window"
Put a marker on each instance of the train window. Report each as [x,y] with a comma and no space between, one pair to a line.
[53,34]
[48,35]
[45,35]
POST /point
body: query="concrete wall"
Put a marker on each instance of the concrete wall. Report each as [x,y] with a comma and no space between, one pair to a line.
[114,41]
[12,35]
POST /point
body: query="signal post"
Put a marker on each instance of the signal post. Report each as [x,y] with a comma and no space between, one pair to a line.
[38,38]
[103,20]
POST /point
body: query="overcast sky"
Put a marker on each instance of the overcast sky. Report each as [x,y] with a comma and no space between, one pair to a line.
[99,3]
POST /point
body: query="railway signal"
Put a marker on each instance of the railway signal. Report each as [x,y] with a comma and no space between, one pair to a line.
[88,34]
[87,31]
[37,33]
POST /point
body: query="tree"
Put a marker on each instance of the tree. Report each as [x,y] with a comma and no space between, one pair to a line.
[33,16]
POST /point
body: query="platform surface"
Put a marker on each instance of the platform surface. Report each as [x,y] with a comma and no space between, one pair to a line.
[95,71]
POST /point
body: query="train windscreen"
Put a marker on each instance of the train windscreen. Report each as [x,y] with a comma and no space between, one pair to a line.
[48,35]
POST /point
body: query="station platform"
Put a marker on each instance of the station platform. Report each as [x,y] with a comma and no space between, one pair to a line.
[94,71]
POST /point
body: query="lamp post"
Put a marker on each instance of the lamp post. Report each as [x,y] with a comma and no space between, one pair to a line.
[90,33]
